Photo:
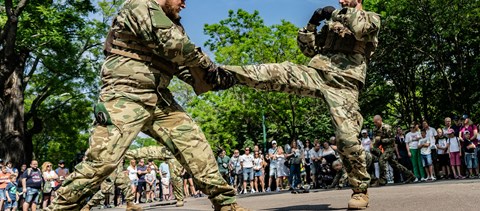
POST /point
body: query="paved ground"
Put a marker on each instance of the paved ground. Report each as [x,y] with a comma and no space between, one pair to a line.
[441,195]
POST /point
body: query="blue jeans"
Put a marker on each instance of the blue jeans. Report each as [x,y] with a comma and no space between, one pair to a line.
[294,177]
[426,160]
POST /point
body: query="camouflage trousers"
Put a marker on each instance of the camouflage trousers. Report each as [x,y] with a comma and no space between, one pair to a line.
[136,99]
[339,92]
[117,178]
[162,153]
[387,158]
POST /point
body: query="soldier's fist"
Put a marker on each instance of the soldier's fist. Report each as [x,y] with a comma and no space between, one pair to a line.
[321,14]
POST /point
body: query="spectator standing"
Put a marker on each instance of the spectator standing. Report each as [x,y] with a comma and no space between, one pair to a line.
[149,180]
[21,197]
[295,158]
[432,134]
[49,177]
[188,184]
[443,158]
[411,139]
[12,170]
[425,151]
[470,154]
[246,161]
[316,160]
[165,186]
[153,172]
[282,169]
[31,186]
[132,174]
[223,160]
[141,171]
[11,194]
[272,156]
[306,154]
[401,150]
[62,172]
[365,140]
[453,145]
[258,171]
[4,180]
[236,171]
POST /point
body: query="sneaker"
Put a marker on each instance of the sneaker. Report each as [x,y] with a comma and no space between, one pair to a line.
[433,178]
[416,180]
[424,179]
[268,189]
[253,191]
[278,190]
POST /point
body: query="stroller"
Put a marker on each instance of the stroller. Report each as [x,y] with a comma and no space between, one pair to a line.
[325,172]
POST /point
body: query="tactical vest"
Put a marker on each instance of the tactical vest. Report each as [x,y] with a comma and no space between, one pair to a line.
[332,41]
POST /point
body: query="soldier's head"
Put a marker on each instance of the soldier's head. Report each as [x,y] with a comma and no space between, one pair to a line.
[377,120]
[351,3]
[172,8]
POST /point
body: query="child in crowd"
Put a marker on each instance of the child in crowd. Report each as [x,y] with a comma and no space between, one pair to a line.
[454,148]
[470,154]
[150,179]
[4,180]
[165,186]
[426,155]
[442,148]
[11,193]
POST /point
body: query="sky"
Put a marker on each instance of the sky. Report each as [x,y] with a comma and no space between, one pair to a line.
[200,12]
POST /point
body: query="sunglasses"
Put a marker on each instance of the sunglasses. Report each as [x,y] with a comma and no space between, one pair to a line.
[49,165]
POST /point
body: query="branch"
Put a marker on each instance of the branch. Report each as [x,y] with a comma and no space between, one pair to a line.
[20,7]
[30,74]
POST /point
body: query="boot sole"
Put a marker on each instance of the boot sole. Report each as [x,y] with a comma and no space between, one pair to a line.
[357,208]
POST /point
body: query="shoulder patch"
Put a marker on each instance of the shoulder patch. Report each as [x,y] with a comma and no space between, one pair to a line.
[158,17]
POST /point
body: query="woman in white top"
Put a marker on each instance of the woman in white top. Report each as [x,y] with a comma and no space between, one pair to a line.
[49,176]
[258,171]
[411,139]
[282,169]
[132,174]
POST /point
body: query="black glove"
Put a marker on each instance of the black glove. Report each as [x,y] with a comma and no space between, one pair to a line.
[321,14]
[220,78]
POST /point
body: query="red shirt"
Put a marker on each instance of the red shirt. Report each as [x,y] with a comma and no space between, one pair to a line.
[4,179]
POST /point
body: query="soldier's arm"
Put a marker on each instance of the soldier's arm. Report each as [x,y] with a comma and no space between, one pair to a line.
[306,40]
[364,25]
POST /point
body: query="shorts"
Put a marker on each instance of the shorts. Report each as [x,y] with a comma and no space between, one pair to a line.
[187,175]
[272,171]
[2,195]
[141,186]
[426,160]
[471,160]
[247,174]
[32,195]
[12,204]
[258,173]
[134,182]
[455,159]
[443,159]
[149,187]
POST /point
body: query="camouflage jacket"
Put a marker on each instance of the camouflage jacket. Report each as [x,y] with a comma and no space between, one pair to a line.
[384,136]
[149,28]
[363,25]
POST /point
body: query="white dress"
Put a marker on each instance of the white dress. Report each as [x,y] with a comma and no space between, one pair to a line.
[282,170]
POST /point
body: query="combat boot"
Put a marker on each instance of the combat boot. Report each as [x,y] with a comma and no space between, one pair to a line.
[133,207]
[359,201]
[179,204]
[86,208]
[411,178]
[230,207]
[382,182]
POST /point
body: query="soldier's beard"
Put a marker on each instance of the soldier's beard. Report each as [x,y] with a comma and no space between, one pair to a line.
[351,4]
[171,11]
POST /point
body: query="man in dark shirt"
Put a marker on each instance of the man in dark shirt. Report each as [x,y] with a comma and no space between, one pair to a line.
[141,171]
[32,184]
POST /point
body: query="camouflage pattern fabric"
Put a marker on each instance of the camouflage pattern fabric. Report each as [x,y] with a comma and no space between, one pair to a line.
[384,136]
[117,178]
[136,97]
[335,77]
[162,153]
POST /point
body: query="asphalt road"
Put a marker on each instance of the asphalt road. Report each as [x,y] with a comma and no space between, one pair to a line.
[440,195]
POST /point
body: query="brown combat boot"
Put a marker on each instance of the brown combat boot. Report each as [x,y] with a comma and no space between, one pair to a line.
[230,207]
[133,207]
[179,204]
[359,201]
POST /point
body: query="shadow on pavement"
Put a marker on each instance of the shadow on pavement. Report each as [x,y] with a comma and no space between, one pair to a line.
[306,207]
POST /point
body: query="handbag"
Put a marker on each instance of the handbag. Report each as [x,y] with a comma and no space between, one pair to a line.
[47,187]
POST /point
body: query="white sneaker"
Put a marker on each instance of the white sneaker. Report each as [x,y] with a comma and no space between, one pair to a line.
[268,190]
[253,191]
[433,178]
[416,180]
[424,179]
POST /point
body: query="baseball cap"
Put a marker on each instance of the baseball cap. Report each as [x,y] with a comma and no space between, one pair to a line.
[61,162]
[450,131]
[465,132]
[364,131]
[464,116]
[274,142]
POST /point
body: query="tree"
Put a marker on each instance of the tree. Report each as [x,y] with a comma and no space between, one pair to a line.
[49,54]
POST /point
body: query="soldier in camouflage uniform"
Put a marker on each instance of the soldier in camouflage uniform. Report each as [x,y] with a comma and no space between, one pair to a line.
[175,168]
[145,47]
[336,73]
[385,137]
[117,178]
